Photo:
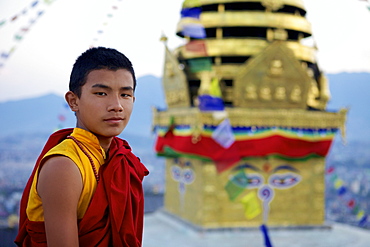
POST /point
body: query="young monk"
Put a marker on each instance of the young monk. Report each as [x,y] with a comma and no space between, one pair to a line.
[86,187]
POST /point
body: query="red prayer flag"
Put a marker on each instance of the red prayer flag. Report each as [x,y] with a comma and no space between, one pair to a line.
[330,170]
[61,118]
[197,46]
[351,203]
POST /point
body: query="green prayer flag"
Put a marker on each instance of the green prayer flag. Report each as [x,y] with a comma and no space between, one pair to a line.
[18,37]
[236,185]
[233,190]
[200,64]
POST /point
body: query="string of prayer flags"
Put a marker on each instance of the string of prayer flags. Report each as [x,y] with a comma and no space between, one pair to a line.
[351,203]
[34,11]
[104,25]
[21,13]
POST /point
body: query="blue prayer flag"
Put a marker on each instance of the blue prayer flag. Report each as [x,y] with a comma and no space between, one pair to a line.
[266,236]
[194,30]
[210,103]
[191,12]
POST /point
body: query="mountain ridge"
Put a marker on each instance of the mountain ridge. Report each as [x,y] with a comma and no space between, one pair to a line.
[46,113]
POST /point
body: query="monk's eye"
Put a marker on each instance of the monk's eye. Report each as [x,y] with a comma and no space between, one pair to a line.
[100,93]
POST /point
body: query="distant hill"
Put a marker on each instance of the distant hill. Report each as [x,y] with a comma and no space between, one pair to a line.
[44,114]
[352,90]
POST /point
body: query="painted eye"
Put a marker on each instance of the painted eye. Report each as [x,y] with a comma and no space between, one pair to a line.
[188,175]
[176,173]
[284,181]
[254,180]
[241,179]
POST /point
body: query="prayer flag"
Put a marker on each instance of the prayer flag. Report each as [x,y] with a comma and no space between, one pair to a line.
[338,183]
[210,103]
[18,37]
[191,12]
[4,55]
[34,4]
[213,100]
[252,205]
[356,209]
[215,89]
[200,64]
[233,190]
[194,30]
[233,187]
[360,214]
[266,236]
[223,134]
[334,178]
[191,3]
[197,46]
[61,118]
[330,170]
[342,190]
[351,203]
[363,220]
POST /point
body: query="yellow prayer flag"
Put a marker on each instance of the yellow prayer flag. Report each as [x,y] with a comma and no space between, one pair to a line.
[338,183]
[191,3]
[215,89]
[252,205]
[360,214]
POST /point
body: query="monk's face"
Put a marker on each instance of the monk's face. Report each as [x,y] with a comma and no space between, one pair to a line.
[106,102]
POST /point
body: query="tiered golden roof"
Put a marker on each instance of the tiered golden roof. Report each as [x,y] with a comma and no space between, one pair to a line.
[257,54]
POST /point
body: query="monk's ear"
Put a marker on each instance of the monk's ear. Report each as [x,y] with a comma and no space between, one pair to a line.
[72,100]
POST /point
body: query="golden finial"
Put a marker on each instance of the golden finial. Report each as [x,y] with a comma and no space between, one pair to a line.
[163,38]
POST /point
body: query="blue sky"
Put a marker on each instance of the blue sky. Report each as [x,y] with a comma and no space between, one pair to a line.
[42,60]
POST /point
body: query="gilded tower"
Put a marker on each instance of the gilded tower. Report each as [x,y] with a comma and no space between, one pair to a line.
[253,150]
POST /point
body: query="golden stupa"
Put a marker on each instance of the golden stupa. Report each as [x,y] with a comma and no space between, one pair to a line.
[266,165]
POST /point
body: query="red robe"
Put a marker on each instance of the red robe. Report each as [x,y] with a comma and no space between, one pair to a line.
[116,212]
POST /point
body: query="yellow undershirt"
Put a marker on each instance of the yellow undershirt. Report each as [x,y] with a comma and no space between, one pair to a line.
[70,149]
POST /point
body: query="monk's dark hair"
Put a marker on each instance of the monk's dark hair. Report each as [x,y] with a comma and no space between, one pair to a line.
[94,59]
